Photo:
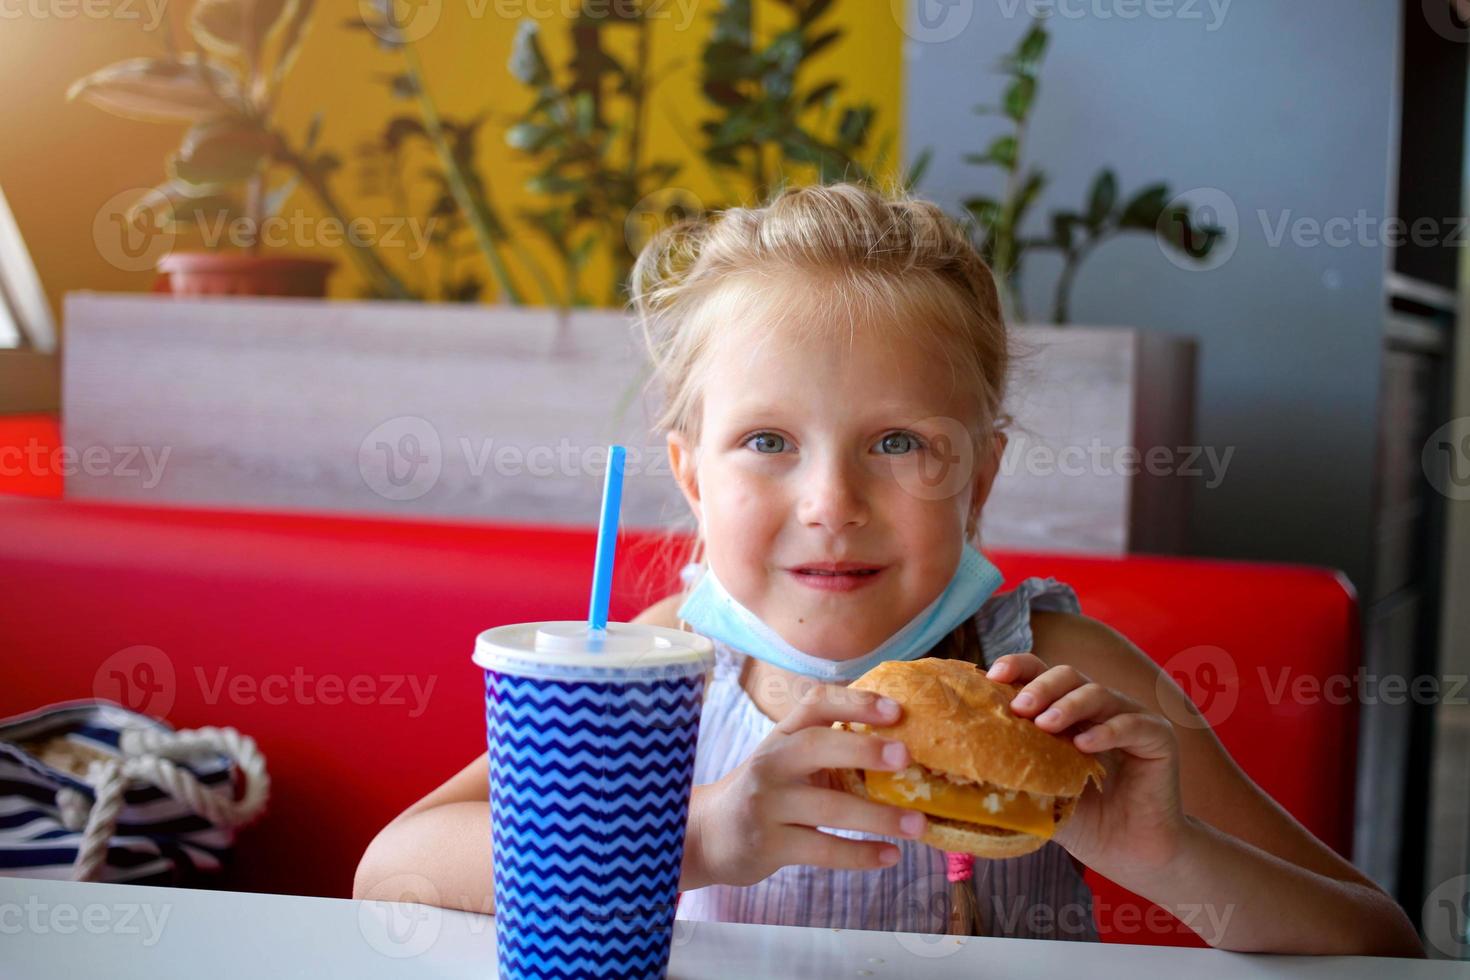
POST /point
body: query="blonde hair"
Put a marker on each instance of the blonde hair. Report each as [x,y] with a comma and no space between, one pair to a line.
[882,255]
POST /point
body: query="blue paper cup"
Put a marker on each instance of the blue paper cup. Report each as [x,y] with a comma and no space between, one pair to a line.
[591,764]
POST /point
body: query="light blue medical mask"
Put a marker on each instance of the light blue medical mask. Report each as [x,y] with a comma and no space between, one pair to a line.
[714,613]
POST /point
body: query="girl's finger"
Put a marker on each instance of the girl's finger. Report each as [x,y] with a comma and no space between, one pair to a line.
[1090,702]
[1016,668]
[1147,736]
[1045,689]
[813,807]
[821,704]
[811,749]
[808,846]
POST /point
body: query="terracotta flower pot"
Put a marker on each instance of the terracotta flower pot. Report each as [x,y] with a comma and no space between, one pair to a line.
[236,274]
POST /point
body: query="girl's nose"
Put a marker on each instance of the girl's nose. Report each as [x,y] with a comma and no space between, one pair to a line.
[832,496]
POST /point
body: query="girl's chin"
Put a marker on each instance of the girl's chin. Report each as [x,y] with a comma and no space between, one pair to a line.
[835,644]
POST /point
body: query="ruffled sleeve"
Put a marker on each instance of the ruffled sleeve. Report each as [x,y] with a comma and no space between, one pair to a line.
[1004,621]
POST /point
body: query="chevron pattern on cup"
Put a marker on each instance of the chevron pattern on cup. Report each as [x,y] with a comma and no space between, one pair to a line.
[589,800]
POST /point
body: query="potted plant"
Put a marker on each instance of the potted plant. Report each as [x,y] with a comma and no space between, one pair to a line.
[996,223]
[222,180]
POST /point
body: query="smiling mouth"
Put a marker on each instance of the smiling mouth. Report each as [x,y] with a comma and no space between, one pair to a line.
[818,571]
[828,580]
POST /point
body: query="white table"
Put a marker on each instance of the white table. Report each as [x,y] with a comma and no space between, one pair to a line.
[71,931]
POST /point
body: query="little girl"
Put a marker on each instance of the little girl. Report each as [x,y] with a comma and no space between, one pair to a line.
[833,366]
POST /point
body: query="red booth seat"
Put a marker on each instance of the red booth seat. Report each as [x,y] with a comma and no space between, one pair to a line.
[342,645]
[30,460]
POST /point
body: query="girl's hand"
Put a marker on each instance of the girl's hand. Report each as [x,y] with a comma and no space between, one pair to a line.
[1136,822]
[764,813]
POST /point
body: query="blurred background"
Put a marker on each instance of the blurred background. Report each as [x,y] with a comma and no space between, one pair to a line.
[1233,229]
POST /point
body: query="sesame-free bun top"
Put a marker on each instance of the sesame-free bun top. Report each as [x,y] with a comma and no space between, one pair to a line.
[957,721]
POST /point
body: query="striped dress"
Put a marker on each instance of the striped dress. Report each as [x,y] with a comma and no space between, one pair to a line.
[1039,895]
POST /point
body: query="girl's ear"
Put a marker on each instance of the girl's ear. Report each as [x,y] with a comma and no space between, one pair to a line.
[985,475]
[686,472]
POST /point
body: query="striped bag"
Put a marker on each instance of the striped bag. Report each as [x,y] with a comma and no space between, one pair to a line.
[91,791]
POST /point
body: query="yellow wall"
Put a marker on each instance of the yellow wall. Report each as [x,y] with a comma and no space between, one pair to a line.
[61,162]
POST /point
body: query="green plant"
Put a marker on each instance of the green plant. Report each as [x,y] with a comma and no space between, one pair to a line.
[381,164]
[227,90]
[586,130]
[764,105]
[471,194]
[997,222]
[592,170]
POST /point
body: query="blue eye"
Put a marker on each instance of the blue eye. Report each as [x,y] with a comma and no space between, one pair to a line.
[898,443]
[766,438]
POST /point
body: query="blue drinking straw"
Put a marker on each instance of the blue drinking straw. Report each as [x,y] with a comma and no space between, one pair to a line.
[607,537]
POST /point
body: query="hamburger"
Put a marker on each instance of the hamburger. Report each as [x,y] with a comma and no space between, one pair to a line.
[992,783]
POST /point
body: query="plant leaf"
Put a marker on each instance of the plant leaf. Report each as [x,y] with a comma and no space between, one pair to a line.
[821,93]
[1033,44]
[160,90]
[1020,96]
[853,130]
[1102,198]
[986,211]
[919,167]
[812,11]
[1001,152]
[231,27]
[1062,226]
[292,36]
[276,198]
[528,64]
[1026,197]
[1142,212]
[220,152]
[171,204]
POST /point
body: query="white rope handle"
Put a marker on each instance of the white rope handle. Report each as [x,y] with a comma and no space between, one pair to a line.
[146,757]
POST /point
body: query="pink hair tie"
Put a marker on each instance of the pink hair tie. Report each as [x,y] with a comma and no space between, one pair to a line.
[958,865]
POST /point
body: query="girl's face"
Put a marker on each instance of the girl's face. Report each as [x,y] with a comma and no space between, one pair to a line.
[853,450]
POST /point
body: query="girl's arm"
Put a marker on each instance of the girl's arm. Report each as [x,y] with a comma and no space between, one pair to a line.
[437,851]
[1270,885]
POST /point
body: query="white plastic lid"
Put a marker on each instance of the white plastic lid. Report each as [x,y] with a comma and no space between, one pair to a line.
[544,649]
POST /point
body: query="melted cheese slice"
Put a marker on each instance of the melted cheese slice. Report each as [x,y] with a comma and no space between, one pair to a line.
[957,801]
